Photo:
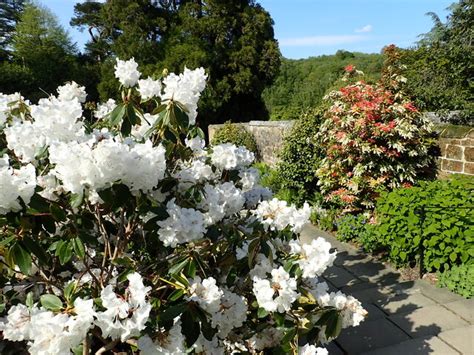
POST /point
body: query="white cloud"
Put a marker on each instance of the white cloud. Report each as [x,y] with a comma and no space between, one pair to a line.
[330,40]
[365,29]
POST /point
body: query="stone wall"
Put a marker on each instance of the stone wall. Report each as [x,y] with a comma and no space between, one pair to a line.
[268,135]
[457,150]
[456,144]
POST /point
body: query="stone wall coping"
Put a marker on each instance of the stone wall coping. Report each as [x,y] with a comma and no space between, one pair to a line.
[272,123]
[454,131]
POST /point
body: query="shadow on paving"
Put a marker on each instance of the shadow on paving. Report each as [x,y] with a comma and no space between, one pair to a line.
[405,317]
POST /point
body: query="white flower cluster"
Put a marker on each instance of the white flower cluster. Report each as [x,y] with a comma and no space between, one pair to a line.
[277,215]
[57,333]
[193,172]
[277,294]
[105,108]
[183,225]
[15,184]
[351,309]
[228,156]
[47,332]
[312,350]
[170,344]
[53,121]
[126,71]
[185,88]
[228,310]
[71,91]
[102,160]
[221,200]
[149,88]
[124,317]
[315,257]
[7,104]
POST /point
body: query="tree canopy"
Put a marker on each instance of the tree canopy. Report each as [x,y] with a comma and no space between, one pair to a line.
[42,54]
[232,40]
[440,68]
[10,11]
[302,83]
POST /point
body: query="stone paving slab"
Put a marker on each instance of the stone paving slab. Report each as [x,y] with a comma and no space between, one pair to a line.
[405,317]
[440,295]
[374,312]
[464,308]
[333,349]
[430,320]
[427,345]
[372,271]
[370,335]
[403,303]
[460,338]
[340,277]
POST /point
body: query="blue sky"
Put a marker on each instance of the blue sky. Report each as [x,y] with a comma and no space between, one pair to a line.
[307,28]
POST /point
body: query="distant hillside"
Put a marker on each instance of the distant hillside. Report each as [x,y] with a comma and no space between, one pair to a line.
[302,83]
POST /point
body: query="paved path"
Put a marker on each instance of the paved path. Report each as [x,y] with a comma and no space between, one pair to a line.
[405,317]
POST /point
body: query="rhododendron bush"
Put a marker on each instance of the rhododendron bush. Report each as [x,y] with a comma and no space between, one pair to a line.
[373,138]
[129,235]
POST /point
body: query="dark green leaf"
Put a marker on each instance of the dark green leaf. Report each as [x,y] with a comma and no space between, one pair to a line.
[21,257]
[35,248]
[190,328]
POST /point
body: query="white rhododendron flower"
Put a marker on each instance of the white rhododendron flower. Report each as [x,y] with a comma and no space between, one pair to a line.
[15,184]
[206,293]
[104,161]
[127,72]
[124,317]
[193,172]
[312,350]
[249,178]
[47,332]
[277,294]
[351,309]
[267,338]
[105,108]
[231,314]
[149,88]
[196,144]
[54,121]
[276,214]
[185,88]
[71,91]
[315,257]
[169,343]
[228,156]
[221,201]
[183,225]
[16,326]
[7,104]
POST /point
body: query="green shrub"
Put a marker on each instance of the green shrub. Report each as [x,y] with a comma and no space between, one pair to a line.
[325,218]
[443,235]
[357,228]
[236,134]
[459,279]
[350,226]
[373,138]
[300,158]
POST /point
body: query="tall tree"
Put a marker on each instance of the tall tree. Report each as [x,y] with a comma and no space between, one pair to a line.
[43,48]
[441,67]
[10,11]
[233,40]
